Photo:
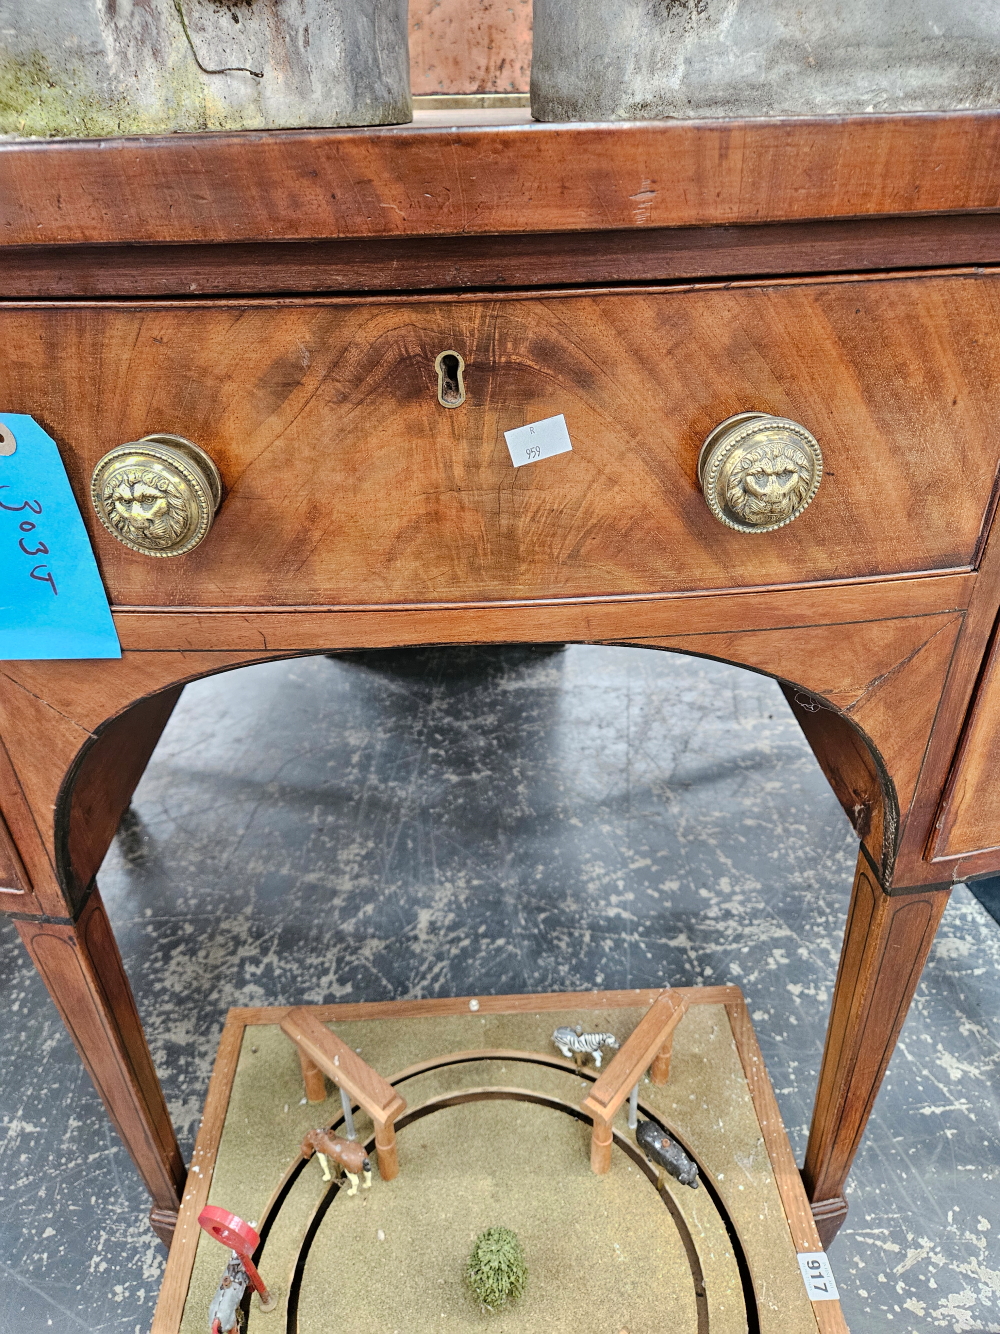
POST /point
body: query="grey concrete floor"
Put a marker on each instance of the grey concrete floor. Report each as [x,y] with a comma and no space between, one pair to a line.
[427,823]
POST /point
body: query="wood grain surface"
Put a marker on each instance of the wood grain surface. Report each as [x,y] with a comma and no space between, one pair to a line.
[346,482]
[849,766]
[13,876]
[425,263]
[313,1078]
[29,883]
[102,785]
[404,181]
[635,1055]
[517,1003]
[83,971]
[954,781]
[886,944]
[829,1318]
[890,679]
[358,513]
[970,814]
[542,621]
[342,1064]
[180,1261]
[50,714]
[829,1315]
[884,677]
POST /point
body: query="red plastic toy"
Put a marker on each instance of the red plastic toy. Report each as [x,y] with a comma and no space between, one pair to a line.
[240,1237]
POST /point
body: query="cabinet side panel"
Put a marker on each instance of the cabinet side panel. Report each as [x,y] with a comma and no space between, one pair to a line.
[969,818]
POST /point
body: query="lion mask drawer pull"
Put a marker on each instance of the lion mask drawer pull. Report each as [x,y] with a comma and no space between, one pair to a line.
[759,472]
[157,495]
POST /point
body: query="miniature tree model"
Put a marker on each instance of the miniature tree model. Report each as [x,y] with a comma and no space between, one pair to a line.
[496,1270]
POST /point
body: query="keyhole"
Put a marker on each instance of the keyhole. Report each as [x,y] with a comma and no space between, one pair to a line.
[451,382]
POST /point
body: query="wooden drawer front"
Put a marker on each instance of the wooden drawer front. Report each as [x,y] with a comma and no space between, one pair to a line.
[347,482]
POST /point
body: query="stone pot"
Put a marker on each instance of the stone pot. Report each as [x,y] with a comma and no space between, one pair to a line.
[89,68]
[649,59]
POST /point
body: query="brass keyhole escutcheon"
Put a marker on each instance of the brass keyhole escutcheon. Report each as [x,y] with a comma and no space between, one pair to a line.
[157,495]
[450,367]
[759,472]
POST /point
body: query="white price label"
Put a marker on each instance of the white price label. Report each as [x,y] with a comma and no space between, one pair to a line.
[539,440]
[818,1276]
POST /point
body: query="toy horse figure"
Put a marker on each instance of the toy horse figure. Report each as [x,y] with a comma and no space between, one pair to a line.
[347,1154]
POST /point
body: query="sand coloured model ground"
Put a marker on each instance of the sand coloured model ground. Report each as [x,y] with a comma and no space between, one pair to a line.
[467,1167]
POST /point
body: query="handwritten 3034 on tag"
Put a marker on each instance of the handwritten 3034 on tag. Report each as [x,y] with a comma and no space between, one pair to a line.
[538,440]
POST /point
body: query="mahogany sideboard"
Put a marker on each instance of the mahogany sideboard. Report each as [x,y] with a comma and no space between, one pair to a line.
[282,299]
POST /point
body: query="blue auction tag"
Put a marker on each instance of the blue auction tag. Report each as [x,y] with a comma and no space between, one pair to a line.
[52,600]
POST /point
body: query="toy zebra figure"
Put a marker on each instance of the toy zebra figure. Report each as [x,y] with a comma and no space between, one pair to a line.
[575,1043]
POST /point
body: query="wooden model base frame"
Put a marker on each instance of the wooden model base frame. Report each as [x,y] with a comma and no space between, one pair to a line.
[717,1260]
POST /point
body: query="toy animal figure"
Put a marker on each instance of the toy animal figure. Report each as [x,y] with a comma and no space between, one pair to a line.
[667,1154]
[224,1315]
[575,1043]
[347,1154]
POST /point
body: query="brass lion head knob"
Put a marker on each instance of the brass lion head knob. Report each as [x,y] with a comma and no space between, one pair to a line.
[157,495]
[759,472]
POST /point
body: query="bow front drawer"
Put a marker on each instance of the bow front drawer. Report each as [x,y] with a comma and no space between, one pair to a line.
[361,445]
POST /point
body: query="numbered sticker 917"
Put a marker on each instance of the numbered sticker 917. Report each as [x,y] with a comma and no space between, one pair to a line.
[818,1276]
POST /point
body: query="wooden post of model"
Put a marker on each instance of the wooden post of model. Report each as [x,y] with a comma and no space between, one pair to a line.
[647,1048]
[322,1053]
[313,1078]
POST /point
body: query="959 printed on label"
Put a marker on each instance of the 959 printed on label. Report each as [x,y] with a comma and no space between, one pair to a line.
[538,440]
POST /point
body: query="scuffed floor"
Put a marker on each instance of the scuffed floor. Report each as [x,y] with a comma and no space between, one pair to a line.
[426,823]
